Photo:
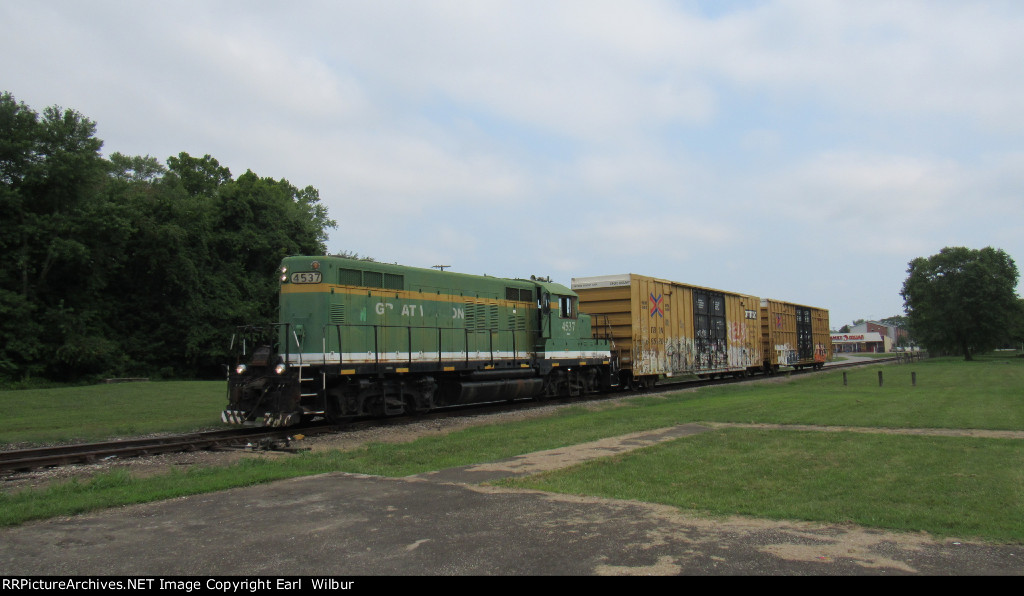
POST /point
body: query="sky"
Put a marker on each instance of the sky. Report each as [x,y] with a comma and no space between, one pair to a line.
[803,150]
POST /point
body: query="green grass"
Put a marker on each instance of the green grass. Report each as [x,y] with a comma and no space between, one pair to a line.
[968,487]
[97,412]
[947,486]
[950,393]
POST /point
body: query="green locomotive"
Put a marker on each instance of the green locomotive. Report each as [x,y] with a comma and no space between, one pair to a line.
[358,338]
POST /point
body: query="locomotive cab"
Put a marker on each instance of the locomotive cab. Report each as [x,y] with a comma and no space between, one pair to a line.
[562,326]
[572,360]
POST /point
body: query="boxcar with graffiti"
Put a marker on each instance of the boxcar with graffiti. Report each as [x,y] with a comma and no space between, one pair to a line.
[794,335]
[660,327]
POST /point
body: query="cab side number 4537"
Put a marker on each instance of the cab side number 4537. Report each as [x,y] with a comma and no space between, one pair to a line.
[310,277]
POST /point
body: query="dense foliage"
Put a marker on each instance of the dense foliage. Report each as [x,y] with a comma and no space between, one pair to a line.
[125,266]
[962,300]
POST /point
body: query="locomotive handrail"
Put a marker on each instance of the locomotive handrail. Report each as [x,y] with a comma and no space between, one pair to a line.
[298,346]
[409,332]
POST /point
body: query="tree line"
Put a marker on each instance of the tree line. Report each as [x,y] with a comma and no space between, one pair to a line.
[126,266]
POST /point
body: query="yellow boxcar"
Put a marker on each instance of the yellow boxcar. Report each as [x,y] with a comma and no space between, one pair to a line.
[794,335]
[661,327]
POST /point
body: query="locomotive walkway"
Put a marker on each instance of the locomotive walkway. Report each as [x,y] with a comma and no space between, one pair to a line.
[448,523]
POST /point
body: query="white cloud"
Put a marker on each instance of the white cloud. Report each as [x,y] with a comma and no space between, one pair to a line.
[912,57]
[864,188]
[257,71]
[649,238]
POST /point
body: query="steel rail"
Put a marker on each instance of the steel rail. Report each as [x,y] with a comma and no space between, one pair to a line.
[62,455]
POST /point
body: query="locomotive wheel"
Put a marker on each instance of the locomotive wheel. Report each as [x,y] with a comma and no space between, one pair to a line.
[411,408]
[333,410]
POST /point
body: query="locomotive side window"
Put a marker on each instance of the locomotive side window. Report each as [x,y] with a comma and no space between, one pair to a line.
[567,307]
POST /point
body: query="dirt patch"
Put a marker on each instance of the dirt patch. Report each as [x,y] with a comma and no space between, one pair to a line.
[564,457]
[725,541]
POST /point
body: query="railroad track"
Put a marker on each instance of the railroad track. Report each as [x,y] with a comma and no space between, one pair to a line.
[22,460]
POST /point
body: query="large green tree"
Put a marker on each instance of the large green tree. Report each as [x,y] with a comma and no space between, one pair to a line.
[961,300]
[205,249]
[50,168]
[125,266]
[1017,327]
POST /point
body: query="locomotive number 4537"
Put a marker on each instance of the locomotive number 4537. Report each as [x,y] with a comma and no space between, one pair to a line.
[312,277]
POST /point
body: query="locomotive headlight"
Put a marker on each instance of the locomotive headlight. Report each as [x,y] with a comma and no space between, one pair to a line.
[280,368]
[240,369]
